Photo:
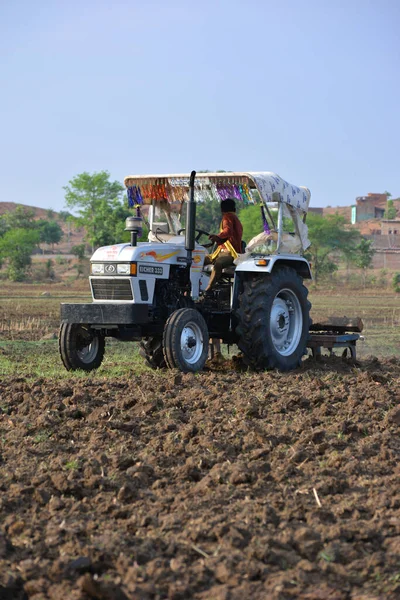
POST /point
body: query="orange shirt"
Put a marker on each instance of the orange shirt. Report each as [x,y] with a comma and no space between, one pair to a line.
[231,230]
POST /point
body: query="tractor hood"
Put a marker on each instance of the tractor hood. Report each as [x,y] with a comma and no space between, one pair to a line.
[169,253]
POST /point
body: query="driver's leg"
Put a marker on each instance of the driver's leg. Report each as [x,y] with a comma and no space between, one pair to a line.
[223,260]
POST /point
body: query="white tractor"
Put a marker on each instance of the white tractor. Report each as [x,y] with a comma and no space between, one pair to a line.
[151,291]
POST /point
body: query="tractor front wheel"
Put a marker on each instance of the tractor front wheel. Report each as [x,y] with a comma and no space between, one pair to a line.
[80,347]
[185,340]
[274,320]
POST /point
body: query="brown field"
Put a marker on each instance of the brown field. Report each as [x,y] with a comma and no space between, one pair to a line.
[224,485]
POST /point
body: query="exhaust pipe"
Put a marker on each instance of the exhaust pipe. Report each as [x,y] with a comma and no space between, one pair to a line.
[190,242]
[190,219]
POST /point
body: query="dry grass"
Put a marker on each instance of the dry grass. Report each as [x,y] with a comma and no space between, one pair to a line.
[27,315]
[27,324]
[380,313]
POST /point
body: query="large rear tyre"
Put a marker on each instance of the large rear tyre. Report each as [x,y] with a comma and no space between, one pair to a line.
[152,352]
[185,340]
[80,347]
[274,320]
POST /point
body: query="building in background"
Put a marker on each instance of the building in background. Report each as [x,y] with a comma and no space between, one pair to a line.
[368,216]
[390,227]
[368,207]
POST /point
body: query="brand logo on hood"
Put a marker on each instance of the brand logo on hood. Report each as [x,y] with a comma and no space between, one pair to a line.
[158,257]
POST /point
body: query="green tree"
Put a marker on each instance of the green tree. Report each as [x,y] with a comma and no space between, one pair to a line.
[208,216]
[49,272]
[50,232]
[16,247]
[78,251]
[63,215]
[110,223]
[72,223]
[390,212]
[396,282]
[363,255]
[95,197]
[250,217]
[3,225]
[329,238]
[21,218]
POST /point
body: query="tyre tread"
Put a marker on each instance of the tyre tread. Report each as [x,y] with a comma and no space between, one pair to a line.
[251,329]
[68,349]
[172,339]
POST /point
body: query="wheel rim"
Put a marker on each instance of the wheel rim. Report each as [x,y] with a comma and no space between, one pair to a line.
[88,352]
[286,322]
[191,343]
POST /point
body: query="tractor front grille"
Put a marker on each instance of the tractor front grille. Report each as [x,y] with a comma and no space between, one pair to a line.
[111,289]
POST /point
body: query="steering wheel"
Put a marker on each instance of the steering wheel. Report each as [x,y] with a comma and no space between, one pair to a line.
[199,232]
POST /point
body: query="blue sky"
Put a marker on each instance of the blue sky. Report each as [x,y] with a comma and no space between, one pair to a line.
[308,89]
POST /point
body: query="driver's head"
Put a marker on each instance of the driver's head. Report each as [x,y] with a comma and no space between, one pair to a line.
[228,205]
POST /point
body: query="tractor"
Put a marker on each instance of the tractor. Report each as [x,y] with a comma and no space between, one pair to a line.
[151,292]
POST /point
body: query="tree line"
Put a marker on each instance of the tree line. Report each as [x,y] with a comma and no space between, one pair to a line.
[101,209]
[332,239]
[20,234]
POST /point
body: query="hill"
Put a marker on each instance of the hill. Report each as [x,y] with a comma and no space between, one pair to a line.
[72,236]
[40,213]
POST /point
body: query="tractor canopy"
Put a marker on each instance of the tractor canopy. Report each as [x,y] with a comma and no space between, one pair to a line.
[169,192]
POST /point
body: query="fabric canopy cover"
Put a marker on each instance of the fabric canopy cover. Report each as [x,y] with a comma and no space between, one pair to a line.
[270,186]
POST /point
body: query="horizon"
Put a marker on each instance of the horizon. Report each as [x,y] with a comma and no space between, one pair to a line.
[124,198]
[309,92]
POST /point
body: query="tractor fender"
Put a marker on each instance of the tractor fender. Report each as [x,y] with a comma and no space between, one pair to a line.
[275,261]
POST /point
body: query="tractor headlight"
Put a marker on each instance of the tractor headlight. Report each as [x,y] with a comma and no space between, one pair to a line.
[97,269]
[124,269]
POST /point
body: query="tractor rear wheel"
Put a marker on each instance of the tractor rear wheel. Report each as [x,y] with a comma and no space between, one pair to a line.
[185,340]
[152,352]
[274,320]
[80,347]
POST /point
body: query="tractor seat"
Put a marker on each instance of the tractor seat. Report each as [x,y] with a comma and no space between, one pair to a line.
[228,271]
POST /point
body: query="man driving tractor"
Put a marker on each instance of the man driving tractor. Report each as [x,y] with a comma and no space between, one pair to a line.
[228,240]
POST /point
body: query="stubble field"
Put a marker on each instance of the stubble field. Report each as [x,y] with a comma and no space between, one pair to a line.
[133,484]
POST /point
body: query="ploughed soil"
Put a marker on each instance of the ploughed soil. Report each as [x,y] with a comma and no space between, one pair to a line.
[225,485]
